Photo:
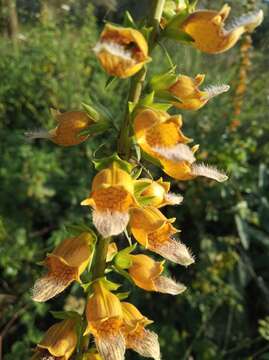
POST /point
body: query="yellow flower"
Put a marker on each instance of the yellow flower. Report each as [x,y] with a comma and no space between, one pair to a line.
[207,28]
[66,133]
[104,318]
[121,51]
[65,265]
[191,97]
[146,273]
[137,338]
[159,135]
[111,197]
[157,130]
[59,342]
[155,232]
[158,193]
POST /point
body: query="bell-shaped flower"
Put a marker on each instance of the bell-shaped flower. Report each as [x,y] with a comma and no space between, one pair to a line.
[121,51]
[156,193]
[111,197]
[159,136]
[137,338]
[147,274]
[157,130]
[209,33]
[181,165]
[69,126]
[65,265]
[104,321]
[59,342]
[155,232]
[186,89]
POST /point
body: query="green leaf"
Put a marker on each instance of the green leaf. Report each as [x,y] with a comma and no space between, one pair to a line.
[242,229]
[110,81]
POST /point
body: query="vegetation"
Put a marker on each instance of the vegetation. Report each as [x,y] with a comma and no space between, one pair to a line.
[48,62]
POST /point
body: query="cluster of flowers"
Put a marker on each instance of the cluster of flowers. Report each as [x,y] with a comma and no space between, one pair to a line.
[122,201]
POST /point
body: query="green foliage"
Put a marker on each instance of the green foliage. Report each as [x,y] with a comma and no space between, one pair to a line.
[224,313]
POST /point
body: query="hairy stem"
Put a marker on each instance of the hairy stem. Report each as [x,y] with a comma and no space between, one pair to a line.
[99,266]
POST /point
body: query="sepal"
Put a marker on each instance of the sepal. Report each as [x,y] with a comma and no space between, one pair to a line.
[178,35]
[123,260]
[77,229]
[123,295]
[163,81]
[128,21]
[63,315]
[103,163]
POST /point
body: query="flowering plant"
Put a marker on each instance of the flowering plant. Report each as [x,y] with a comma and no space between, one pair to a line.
[124,198]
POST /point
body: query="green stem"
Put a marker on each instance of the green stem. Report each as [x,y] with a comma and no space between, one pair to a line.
[99,266]
[137,82]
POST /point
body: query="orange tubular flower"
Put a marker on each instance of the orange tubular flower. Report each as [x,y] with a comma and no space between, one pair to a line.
[59,342]
[158,193]
[137,338]
[159,135]
[66,133]
[65,265]
[104,317]
[111,198]
[146,273]
[154,231]
[121,51]
[191,97]
[206,27]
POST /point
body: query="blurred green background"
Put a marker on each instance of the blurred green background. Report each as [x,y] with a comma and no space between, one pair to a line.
[46,61]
